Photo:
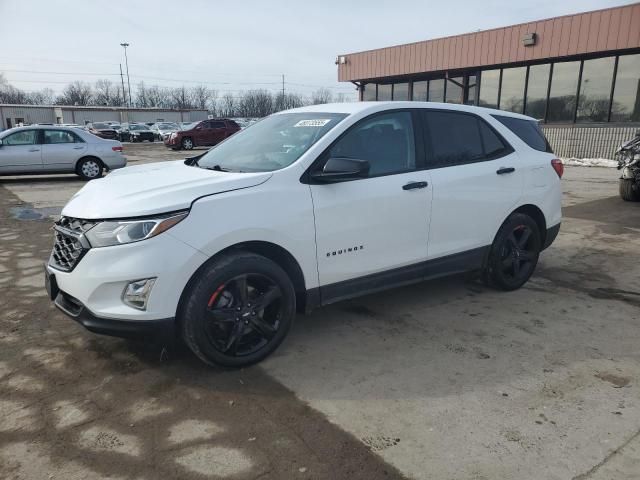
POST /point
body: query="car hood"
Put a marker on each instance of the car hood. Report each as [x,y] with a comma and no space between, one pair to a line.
[154,188]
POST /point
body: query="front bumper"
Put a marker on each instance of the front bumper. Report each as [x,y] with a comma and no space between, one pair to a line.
[163,330]
[552,233]
[97,282]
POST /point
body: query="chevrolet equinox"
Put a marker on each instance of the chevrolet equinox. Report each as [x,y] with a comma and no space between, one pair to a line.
[302,209]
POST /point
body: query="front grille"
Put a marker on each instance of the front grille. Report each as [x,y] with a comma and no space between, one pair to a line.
[68,247]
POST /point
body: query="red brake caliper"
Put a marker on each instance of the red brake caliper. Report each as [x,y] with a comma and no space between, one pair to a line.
[215,295]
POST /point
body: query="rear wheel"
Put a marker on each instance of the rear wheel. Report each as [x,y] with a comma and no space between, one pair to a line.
[90,168]
[514,253]
[238,310]
[187,143]
[627,192]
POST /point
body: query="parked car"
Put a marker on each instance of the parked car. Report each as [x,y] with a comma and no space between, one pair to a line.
[202,134]
[161,129]
[138,132]
[56,149]
[186,125]
[308,207]
[103,130]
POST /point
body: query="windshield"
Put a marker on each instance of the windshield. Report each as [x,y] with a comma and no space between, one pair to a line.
[166,126]
[271,144]
[101,126]
[137,127]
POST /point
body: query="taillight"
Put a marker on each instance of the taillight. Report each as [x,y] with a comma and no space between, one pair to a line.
[557,165]
[116,149]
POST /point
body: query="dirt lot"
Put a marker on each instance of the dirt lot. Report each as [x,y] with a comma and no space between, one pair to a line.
[446,379]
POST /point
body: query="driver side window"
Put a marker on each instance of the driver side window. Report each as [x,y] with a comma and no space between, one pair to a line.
[386,141]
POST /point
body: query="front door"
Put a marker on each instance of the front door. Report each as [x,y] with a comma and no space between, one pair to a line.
[61,150]
[21,152]
[370,225]
[477,181]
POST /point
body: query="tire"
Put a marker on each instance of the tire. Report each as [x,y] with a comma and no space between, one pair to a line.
[152,140]
[90,168]
[187,143]
[224,326]
[514,253]
[627,192]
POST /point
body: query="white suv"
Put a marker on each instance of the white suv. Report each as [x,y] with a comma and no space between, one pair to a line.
[305,208]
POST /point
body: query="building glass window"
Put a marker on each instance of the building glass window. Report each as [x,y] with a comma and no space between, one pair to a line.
[436,90]
[369,93]
[562,99]
[512,92]
[595,90]
[537,91]
[472,89]
[384,92]
[401,91]
[455,90]
[420,91]
[626,94]
[489,86]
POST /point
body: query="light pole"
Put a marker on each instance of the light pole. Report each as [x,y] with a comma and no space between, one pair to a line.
[126,61]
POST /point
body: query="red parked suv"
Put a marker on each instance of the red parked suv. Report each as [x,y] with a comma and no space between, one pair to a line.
[204,133]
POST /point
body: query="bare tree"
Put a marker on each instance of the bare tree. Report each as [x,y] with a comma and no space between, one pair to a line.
[106,93]
[203,97]
[46,96]
[179,98]
[9,93]
[76,93]
[322,95]
[227,106]
[289,100]
[141,96]
[158,97]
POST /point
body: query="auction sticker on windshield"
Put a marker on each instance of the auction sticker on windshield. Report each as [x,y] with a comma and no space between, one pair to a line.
[318,122]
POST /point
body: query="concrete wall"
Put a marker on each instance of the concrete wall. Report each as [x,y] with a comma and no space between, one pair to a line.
[586,141]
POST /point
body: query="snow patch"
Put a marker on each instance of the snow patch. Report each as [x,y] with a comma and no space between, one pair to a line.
[589,162]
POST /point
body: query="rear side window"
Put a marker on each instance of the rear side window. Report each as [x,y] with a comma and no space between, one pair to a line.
[454,138]
[527,130]
[214,124]
[59,136]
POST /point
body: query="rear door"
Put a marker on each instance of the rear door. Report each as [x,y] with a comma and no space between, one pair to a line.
[61,150]
[21,152]
[477,181]
[218,131]
[370,225]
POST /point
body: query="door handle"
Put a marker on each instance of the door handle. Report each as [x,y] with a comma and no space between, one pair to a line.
[34,149]
[414,185]
[78,148]
[503,170]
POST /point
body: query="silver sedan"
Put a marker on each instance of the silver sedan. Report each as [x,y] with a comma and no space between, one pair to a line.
[56,149]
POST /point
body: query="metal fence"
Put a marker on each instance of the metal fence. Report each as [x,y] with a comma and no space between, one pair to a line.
[587,142]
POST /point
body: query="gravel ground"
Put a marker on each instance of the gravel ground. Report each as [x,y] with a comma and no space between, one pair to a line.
[443,379]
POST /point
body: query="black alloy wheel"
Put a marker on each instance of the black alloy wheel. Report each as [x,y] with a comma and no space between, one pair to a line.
[237,309]
[244,313]
[514,253]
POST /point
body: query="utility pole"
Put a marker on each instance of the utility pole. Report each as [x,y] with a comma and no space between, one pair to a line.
[126,60]
[124,92]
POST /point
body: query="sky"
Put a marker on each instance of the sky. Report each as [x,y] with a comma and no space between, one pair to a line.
[232,46]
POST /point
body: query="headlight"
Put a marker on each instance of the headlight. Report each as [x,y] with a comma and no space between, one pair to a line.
[119,232]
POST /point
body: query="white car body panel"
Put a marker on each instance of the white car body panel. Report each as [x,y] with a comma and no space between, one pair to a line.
[461,209]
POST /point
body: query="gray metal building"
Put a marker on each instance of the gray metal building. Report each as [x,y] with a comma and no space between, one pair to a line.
[12,115]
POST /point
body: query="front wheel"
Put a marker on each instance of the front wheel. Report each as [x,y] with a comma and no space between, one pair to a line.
[627,190]
[514,253]
[238,310]
[90,168]
[187,143]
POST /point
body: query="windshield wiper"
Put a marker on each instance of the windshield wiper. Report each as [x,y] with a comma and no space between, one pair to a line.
[217,168]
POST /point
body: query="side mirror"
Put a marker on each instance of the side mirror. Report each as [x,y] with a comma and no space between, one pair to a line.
[340,169]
